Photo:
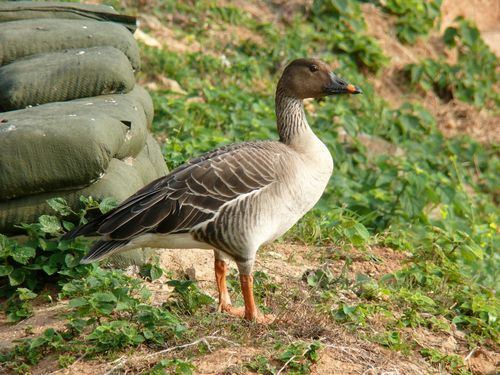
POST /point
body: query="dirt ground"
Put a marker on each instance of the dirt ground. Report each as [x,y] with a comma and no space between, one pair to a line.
[343,351]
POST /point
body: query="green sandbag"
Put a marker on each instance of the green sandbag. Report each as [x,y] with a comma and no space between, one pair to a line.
[40,155]
[133,110]
[121,180]
[68,144]
[150,163]
[21,10]
[142,96]
[61,76]
[19,39]
[134,107]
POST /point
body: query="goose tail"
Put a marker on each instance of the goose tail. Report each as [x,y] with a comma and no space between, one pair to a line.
[83,230]
[102,249]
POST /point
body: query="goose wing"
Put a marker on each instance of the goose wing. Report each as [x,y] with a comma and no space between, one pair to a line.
[191,194]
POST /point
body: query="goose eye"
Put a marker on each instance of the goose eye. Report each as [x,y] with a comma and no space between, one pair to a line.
[313,68]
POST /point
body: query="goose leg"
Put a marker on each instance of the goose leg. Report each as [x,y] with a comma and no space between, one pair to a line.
[251,312]
[220,278]
[224,298]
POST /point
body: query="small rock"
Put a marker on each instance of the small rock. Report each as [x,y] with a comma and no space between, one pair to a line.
[146,39]
[172,85]
[275,255]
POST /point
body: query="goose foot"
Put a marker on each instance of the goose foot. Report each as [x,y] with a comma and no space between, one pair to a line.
[240,312]
[265,318]
[232,310]
[250,311]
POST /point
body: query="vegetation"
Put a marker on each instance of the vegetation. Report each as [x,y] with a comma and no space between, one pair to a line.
[471,78]
[414,18]
[434,199]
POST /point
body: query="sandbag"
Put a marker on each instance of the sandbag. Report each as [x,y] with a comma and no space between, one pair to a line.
[24,38]
[149,163]
[142,96]
[121,180]
[20,10]
[138,100]
[61,76]
[66,152]
[67,145]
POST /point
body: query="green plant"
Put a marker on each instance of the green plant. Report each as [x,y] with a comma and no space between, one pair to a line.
[29,265]
[261,365]
[113,307]
[471,78]
[174,366]
[187,297]
[414,17]
[298,357]
[451,362]
[31,351]
[65,360]
[343,26]
[152,270]
[391,339]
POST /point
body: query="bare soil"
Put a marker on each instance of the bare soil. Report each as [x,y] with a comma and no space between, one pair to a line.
[344,352]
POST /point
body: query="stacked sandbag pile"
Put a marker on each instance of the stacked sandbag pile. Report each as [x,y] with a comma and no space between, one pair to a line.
[72,120]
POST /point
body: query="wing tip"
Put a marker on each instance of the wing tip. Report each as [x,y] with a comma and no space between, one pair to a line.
[102,249]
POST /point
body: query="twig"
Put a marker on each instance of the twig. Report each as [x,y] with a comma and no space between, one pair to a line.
[353,358]
[122,360]
[470,354]
[286,364]
[290,360]
[77,360]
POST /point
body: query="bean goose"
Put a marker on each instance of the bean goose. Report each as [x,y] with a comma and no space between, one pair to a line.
[236,198]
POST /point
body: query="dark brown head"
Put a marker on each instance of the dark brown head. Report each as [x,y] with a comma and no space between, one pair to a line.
[311,78]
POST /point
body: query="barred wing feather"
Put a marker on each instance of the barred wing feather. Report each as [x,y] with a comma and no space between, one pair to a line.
[191,194]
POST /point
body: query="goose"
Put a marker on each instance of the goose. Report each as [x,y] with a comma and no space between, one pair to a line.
[233,199]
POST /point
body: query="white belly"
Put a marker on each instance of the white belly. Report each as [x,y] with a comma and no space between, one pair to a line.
[298,195]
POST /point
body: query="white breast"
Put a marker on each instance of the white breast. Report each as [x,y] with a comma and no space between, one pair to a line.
[308,175]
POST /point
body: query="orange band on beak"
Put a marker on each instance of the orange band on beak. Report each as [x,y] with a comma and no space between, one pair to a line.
[351,88]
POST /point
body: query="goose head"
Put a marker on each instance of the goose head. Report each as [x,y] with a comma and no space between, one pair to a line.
[312,78]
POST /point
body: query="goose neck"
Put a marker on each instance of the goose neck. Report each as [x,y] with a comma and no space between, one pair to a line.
[290,116]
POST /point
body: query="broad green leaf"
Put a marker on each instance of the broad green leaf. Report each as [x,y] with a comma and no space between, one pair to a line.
[107,204]
[25,294]
[50,269]
[474,250]
[17,277]
[23,254]
[60,206]
[6,269]
[449,36]
[78,302]
[50,224]
[156,272]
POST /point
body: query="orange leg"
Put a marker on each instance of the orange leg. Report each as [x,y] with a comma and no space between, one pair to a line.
[251,312]
[224,299]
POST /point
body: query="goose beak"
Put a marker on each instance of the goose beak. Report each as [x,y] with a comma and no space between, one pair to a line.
[338,86]
[351,89]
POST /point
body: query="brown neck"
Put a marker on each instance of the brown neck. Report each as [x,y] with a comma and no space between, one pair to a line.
[291,119]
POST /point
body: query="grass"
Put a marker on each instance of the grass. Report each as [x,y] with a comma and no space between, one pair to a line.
[436,201]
